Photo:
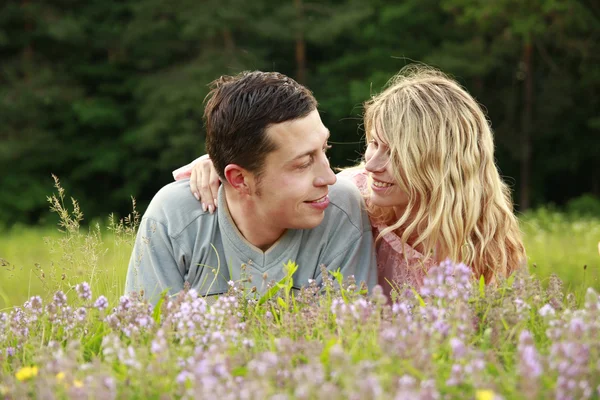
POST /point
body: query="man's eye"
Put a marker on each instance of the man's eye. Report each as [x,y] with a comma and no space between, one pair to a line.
[304,166]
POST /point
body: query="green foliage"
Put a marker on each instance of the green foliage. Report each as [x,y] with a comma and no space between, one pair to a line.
[346,341]
[563,244]
[335,331]
[585,205]
[108,95]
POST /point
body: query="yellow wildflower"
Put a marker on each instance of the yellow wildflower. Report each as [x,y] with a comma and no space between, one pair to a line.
[77,384]
[60,376]
[26,373]
[485,394]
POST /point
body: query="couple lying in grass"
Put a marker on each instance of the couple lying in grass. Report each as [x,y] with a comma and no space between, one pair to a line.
[428,190]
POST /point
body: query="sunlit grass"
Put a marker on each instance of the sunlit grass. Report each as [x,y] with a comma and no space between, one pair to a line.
[31,265]
[454,337]
[563,245]
[555,244]
[40,261]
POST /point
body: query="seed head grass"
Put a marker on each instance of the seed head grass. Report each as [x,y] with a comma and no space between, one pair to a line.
[67,330]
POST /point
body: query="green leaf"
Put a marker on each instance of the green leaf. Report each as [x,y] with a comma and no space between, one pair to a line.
[339,278]
[482,287]
[93,345]
[282,303]
[421,301]
[272,292]
[285,283]
[156,311]
[239,371]
[326,349]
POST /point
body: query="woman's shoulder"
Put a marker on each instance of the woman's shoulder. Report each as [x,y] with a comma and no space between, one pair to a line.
[357,175]
[399,262]
[393,246]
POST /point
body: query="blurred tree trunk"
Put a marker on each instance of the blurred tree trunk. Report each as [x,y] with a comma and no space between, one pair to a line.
[229,41]
[526,122]
[27,54]
[300,43]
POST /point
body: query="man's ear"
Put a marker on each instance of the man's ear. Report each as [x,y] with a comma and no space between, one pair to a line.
[237,177]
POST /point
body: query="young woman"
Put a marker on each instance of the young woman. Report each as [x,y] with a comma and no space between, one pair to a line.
[429,179]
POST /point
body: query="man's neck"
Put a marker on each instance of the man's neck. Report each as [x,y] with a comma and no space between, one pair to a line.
[249,223]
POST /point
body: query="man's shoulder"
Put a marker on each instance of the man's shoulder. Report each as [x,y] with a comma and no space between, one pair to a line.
[345,195]
[175,207]
[346,203]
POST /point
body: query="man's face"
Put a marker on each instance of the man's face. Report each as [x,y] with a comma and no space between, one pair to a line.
[292,192]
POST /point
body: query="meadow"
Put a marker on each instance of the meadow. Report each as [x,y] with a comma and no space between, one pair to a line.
[33,259]
[66,331]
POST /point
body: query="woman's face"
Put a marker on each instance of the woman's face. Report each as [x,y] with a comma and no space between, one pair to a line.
[385,191]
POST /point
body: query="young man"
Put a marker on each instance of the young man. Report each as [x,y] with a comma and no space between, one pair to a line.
[279,200]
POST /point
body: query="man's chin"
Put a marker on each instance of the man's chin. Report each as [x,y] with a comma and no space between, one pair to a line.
[310,222]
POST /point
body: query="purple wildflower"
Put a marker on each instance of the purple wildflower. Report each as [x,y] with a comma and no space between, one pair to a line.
[546,310]
[184,376]
[84,291]
[592,300]
[457,375]
[51,311]
[109,384]
[522,307]
[80,314]
[60,299]
[128,357]
[530,366]
[101,303]
[34,304]
[124,303]
[448,281]
[159,344]
[458,348]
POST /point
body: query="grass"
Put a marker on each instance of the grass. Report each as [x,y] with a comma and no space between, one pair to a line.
[455,338]
[40,261]
[565,245]
[33,263]
[555,243]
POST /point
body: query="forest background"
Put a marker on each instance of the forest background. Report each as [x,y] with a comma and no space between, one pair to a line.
[108,95]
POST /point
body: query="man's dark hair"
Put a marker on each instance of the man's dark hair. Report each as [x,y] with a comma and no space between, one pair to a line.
[240,108]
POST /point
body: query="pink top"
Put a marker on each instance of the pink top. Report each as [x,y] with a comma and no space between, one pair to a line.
[392,265]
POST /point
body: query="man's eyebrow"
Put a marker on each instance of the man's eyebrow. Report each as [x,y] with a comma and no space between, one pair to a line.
[310,152]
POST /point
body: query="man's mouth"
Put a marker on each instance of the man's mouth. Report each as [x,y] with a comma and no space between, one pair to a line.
[319,204]
[319,200]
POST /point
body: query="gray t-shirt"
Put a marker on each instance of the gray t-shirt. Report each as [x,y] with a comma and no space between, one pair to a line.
[177,242]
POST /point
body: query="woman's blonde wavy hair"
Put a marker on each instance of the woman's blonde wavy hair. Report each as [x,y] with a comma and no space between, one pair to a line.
[442,151]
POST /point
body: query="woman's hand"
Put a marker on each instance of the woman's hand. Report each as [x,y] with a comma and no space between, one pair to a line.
[204,184]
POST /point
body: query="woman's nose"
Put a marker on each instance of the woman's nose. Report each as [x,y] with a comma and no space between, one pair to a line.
[375,163]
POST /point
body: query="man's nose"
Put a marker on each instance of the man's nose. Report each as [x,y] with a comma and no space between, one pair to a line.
[326,176]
